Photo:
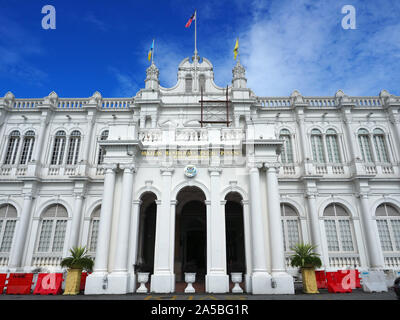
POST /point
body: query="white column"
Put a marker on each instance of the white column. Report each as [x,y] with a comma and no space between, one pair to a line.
[217,281]
[261,280]
[97,282]
[76,221]
[21,232]
[284,282]
[134,244]
[315,228]
[375,255]
[163,279]
[119,278]
[247,243]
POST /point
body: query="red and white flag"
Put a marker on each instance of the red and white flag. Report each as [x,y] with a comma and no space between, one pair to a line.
[193,17]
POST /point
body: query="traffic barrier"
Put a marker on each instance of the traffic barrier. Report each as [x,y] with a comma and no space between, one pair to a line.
[49,283]
[321,279]
[335,282]
[19,283]
[83,280]
[3,277]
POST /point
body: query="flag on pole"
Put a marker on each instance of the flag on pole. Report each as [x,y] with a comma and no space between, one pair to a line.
[193,17]
[236,49]
[151,51]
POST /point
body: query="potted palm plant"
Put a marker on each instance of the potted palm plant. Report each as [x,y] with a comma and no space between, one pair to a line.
[307,260]
[78,261]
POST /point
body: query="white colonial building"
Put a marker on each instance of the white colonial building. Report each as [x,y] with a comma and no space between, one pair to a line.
[199,174]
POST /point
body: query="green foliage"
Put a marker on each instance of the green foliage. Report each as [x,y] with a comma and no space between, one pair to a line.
[78,259]
[304,256]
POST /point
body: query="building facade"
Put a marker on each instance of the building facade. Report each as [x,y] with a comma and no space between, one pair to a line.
[201,175]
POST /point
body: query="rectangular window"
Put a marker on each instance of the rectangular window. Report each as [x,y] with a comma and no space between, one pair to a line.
[8,236]
[293,233]
[396,232]
[380,148]
[345,235]
[384,235]
[365,148]
[333,150]
[59,235]
[331,235]
[93,235]
[317,148]
[45,236]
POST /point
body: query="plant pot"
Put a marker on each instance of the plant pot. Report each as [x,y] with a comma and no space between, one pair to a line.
[143,277]
[309,280]
[73,282]
[190,278]
[236,279]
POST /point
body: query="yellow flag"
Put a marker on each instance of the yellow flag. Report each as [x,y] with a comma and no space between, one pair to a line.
[236,49]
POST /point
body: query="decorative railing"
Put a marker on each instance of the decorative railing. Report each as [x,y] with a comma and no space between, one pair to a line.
[150,135]
[341,261]
[4,259]
[5,171]
[321,168]
[191,135]
[337,169]
[46,259]
[232,134]
[99,171]
[370,168]
[26,103]
[116,103]
[387,169]
[392,261]
[71,103]
[321,102]
[274,101]
[288,169]
[366,101]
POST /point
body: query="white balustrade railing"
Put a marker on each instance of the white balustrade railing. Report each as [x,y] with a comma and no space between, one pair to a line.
[320,102]
[274,101]
[337,169]
[289,169]
[150,135]
[366,101]
[116,103]
[392,261]
[232,135]
[4,259]
[41,260]
[321,169]
[344,261]
[387,169]
[5,171]
[370,168]
[99,171]
[72,103]
[26,103]
[191,135]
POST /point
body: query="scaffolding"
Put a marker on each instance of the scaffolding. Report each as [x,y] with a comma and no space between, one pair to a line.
[212,112]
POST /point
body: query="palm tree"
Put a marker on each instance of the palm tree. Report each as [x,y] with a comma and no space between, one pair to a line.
[75,263]
[304,256]
[79,259]
[307,261]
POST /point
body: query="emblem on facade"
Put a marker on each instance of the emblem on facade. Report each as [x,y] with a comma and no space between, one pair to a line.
[190,171]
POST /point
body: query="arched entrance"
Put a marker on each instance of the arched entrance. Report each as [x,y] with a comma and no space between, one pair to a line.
[190,237]
[235,235]
[147,230]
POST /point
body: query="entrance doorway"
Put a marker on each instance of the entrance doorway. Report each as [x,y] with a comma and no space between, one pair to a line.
[235,241]
[147,230]
[190,237]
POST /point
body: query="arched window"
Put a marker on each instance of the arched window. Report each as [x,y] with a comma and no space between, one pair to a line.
[58,148]
[27,147]
[8,220]
[73,150]
[332,146]
[287,152]
[290,226]
[317,147]
[188,83]
[94,230]
[380,146]
[53,225]
[102,151]
[12,148]
[339,231]
[388,221]
[365,147]
[202,82]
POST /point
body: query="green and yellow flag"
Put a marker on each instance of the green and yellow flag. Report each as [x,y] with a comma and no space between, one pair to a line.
[236,49]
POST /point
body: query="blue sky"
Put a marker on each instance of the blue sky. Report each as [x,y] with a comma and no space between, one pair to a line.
[285,45]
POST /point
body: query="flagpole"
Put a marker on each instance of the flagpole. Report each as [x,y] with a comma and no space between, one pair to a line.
[152,54]
[195,33]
